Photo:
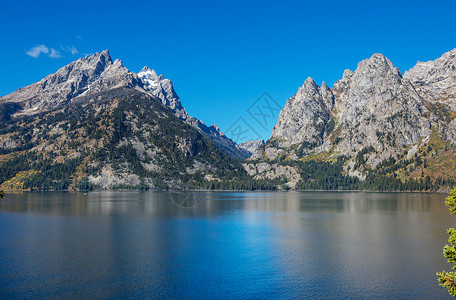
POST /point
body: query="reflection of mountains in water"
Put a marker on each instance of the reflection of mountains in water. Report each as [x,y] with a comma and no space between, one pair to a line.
[193,204]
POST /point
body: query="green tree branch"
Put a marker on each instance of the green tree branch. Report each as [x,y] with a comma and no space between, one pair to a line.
[448,279]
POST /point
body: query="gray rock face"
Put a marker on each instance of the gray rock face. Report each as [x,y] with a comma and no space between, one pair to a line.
[163,89]
[89,74]
[436,80]
[305,115]
[373,107]
[377,107]
[273,171]
[251,146]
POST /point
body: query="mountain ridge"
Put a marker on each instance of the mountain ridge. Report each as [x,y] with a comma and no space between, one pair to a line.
[98,72]
[106,127]
[370,116]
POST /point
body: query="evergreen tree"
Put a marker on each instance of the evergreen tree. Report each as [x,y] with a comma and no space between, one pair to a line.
[448,279]
[1,194]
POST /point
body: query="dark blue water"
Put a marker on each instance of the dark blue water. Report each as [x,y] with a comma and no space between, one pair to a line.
[222,245]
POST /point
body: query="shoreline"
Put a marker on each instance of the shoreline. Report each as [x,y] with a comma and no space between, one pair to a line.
[229,191]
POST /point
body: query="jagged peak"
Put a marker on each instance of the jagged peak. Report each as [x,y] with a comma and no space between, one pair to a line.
[324,86]
[309,81]
[309,84]
[377,56]
[145,69]
[347,74]
[376,61]
[118,62]
[104,55]
[149,73]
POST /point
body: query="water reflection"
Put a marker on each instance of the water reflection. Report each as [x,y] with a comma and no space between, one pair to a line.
[221,245]
[197,203]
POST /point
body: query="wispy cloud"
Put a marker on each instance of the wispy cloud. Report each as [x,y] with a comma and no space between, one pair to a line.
[55,54]
[72,49]
[37,51]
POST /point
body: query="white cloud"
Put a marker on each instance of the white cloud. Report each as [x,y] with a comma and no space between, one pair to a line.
[72,49]
[37,50]
[55,54]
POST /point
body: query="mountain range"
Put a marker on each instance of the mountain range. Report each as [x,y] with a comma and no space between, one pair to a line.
[383,124]
[97,73]
[95,124]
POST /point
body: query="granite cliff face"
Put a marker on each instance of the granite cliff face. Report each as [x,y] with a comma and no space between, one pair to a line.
[376,107]
[305,115]
[370,116]
[363,107]
[436,80]
[251,146]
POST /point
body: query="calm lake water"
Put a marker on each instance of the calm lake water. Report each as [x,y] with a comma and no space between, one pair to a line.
[222,245]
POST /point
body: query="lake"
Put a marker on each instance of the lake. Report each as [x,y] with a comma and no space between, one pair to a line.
[223,245]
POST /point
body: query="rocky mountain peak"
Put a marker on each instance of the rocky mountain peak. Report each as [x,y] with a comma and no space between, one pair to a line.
[148,74]
[375,99]
[86,75]
[347,74]
[145,69]
[436,80]
[105,53]
[104,57]
[308,88]
[97,62]
[98,73]
[118,63]
[372,73]
[376,65]
[304,115]
[309,82]
[163,89]
[372,102]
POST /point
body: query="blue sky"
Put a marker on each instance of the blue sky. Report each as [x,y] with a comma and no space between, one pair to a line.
[223,55]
